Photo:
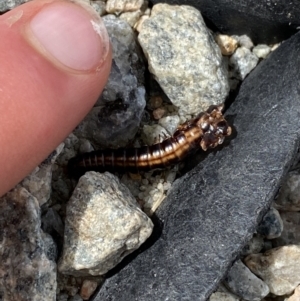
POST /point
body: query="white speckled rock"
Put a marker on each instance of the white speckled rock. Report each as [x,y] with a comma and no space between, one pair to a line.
[103,224]
[243,61]
[242,282]
[289,195]
[26,272]
[184,58]
[118,6]
[278,268]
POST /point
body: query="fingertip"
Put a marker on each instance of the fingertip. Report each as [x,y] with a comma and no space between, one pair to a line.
[46,87]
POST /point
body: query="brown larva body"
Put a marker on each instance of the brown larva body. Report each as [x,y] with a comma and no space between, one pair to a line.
[207,130]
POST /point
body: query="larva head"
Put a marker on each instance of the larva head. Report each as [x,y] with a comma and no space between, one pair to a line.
[214,127]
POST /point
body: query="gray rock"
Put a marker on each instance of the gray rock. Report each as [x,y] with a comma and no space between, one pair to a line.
[99,6]
[119,110]
[242,282]
[6,5]
[26,272]
[76,298]
[289,195]
[184,58]
[271,225]
[212,211]
[103,225]
[38,182]
[243,61]
[51,222]
[255,245]
[49,246]
[291,230]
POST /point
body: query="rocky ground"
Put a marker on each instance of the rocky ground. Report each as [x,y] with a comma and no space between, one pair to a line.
[220,226]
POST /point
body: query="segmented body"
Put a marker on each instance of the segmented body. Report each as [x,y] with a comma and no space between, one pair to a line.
[207,130]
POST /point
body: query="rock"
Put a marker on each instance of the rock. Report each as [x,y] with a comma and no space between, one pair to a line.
[88,288]
[99,6]
[289,195]
[62,185]
[38,182]
[295,296]
[6,5]
[26,272]
[291,229]
[75,298]
[118,6]
[242,282]
[243,61]
[213,210]
[255,245]
[170,123]
[261,51]
[119,110]
[131,17]
[271,225]
[103,225]
[244,41]
[278,268]
[62,297]
[227,44]
[49,247]
[52,223]
[219,296]
[191,72]
[153,133]
[264,21]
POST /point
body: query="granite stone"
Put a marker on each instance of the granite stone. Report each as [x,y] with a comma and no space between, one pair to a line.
[265,21]
[212,211]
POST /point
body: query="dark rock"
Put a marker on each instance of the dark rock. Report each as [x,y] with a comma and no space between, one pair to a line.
[271,225]
[242,282]
[213,210]
[266,21]
[52,223]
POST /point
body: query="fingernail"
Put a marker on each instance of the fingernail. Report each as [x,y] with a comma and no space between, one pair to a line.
[70,34]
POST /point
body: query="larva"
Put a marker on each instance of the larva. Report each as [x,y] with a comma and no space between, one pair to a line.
[206,131]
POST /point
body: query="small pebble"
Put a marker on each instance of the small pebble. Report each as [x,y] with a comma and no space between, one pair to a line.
[243,61]
[244,41]
[227,44]
[88,288]
[158,113]
[261,51]
[118,6]
[271,225]
[155,102]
